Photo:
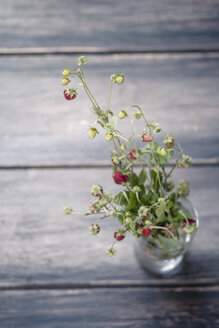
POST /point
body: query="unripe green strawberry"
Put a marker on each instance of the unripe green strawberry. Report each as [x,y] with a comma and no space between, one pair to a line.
[118,78]
[65,81]
[108,136]
[96,190]
[93,132]
[94,229]
[123,114]
[111,251]
[66,72]
[67,210]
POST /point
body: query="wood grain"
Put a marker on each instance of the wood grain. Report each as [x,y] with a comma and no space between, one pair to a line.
[38,244]
[135,307]
[147,25]
[39,127]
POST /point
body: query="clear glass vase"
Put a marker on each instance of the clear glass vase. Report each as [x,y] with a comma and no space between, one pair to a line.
[165,261]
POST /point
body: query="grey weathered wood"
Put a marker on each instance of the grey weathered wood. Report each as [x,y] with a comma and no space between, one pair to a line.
[39,127]
[38,244]
[150,25]
[135,307]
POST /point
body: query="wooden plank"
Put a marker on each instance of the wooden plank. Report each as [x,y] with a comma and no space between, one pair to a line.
[39,127]
[38,244]
[149,25]
[130,307]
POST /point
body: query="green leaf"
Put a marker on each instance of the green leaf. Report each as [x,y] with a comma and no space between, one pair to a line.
[154,145]
[154,176]
[132,201]
[169,243]
[142,177]
[120,218]
[163,159]
[133,179]
[160,212]
[120,199]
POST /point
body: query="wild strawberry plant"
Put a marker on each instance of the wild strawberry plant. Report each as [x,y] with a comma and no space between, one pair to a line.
[149,201]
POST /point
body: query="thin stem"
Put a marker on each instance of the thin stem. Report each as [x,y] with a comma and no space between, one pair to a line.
[109,98]
[163,228]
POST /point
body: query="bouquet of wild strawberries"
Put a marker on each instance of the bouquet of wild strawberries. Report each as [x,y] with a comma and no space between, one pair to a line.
[149,202]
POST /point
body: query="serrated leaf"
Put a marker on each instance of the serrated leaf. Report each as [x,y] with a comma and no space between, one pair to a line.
[160,212]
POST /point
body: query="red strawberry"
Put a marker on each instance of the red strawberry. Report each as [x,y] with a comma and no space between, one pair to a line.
[146,137]
[191,221]
[131,154]
[70,94]
[119,237]
[119,178]
[146,232]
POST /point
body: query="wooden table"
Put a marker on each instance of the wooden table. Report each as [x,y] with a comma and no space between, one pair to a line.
[53,273]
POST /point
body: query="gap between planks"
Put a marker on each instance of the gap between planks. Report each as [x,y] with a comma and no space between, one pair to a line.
[72,51]
[195,163]
[108,284]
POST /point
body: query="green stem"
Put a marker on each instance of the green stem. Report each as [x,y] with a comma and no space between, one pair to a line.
[109,98]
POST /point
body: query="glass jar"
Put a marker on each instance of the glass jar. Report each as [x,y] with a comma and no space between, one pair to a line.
[167,260]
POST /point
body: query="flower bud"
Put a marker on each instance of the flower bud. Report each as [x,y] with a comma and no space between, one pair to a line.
[123,147]
[82,60]
[136,189]
[148,222]
[67,210]
[111,251]
[137,114]
[128,220]
[93,132]
[108,136]
[123,114]
[155,126]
